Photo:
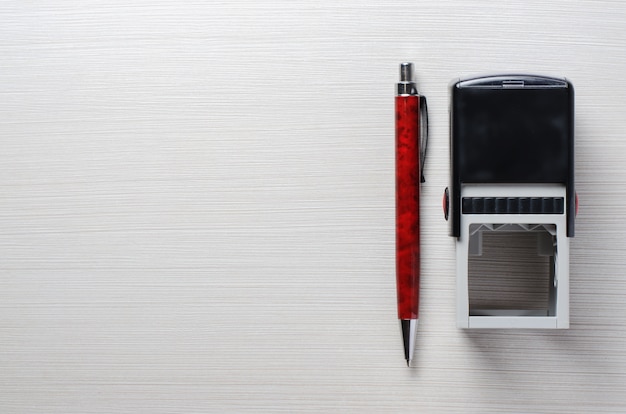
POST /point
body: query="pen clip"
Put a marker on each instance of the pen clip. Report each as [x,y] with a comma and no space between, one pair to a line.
[423,134]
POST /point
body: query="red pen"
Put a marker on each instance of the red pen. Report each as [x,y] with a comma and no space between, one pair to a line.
[409,157]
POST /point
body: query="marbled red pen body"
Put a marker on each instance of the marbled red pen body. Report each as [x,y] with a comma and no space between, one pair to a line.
[407,205]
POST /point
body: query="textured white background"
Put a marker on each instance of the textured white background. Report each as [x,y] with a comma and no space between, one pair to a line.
[197,208]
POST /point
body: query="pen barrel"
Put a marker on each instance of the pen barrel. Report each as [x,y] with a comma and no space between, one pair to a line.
[407,205]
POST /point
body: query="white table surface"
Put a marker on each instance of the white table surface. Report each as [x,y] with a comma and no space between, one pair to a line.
[197,208]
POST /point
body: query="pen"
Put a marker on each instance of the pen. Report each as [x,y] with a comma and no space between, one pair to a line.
[408,173]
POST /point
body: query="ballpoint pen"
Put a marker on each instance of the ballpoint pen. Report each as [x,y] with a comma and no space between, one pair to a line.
[409,160]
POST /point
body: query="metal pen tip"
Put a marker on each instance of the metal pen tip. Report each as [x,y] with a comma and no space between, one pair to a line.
[408,327]
[406,72]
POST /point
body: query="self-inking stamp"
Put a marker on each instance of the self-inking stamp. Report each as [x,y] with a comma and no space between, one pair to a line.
[512,179]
